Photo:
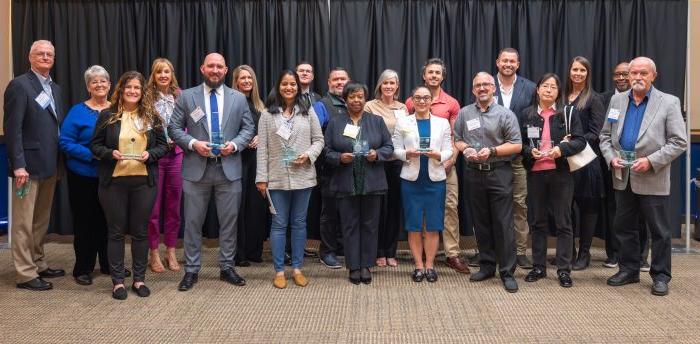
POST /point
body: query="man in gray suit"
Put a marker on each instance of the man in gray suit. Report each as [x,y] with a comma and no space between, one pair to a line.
[212,124]
[648,122]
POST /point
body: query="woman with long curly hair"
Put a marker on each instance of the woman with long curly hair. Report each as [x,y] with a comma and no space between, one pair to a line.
[128,141]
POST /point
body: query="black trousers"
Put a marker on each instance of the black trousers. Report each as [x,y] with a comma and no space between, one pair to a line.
[491,206]
[654,210]
[391,217]
[253,216]
[89,224]
[359,218]
[551,193]
[127,203]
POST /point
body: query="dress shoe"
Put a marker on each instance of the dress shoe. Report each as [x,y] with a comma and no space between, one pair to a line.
[365,276]
[457,264]
[188,281]
[300,279]
[119,293]
[418,275]
[309,254]
[537,273]
[83,279]
[610,263]
[431,275]
[141,291]
[481,276]
[474,260]
[35,284]
[622,278]
[510,284]
[659,288]
[229,275]
[565,279]
[354,276]
[243,263]
[331,261]
[280,282]
[523,262]
[392,262]
[51,273]
[582,262]
[644,266]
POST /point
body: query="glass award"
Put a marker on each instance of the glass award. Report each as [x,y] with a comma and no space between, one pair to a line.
[627,158]
[473,149]
[217,140]
[24,190]
[131,152]
[360,148]
[544,146]
[289,154]
[423,144]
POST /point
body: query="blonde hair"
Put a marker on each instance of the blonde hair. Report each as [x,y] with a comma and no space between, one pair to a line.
[255,92]
[152,87]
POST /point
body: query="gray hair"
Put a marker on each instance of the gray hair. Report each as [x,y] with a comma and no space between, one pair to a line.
[386,75]
[94,72]
[484,74]
[644,59]
[36,45]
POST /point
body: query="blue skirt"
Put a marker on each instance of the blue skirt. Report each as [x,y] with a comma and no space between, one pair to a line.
[423,198]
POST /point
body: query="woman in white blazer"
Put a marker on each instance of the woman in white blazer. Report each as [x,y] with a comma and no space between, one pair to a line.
[423,142]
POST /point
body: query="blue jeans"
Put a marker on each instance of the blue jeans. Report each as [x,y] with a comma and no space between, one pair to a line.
[291,206]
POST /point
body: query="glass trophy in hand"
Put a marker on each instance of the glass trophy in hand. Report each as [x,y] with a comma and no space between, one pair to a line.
[473,150]
[627,158]
[545,147]
[423,144]
[289,154]
[360,148]
[131,152]
[217,143]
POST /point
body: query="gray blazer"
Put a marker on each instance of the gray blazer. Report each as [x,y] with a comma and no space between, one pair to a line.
[237,126]
[306,138]
[662,138]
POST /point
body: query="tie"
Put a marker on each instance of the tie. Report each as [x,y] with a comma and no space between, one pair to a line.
[215,133]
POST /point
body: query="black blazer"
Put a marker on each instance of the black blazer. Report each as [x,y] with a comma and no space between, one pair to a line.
[592,118]
[106,139]
[557,131]
[606,98]
[377,135]
[31,132]
[524,92]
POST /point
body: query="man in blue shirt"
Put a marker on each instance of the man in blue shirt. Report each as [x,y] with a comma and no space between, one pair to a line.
[648,122]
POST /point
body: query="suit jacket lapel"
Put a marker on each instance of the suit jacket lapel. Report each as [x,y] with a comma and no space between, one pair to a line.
[623,112]
[228,104]
[499,99]
[650,112]
[36,84]
[199,103]
[517,87]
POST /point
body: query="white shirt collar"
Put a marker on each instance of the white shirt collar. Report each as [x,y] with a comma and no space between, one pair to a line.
[219,91]
[553,107]
[42,79]
[500,84]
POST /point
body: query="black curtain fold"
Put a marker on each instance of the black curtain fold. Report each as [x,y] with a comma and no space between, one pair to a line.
[364,36]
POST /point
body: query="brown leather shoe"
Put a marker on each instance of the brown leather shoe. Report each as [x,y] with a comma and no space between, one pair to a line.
[154,262]
[300,280]
[280,282]
[457,264]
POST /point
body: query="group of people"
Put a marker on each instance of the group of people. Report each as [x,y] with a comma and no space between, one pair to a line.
[372,165]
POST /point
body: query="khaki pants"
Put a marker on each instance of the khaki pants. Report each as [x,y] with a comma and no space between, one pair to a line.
[450,235]
[30,222]
[520,205]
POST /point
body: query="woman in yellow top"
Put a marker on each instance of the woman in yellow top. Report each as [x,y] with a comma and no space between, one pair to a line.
[386,105]
[128,140]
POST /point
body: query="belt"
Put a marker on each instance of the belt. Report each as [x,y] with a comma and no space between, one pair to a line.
[214,159]
[487,166]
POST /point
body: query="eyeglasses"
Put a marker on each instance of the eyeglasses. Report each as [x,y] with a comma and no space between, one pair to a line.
[643,74]
[621,74]
[44,54]
[419,99]
[483,85]
[549,87]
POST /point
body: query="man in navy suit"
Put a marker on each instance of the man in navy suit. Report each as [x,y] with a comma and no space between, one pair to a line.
[516,93]
[33,113]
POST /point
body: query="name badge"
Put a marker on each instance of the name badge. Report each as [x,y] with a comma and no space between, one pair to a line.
[351,131]
[533,132]
[399,113]
[613,115]
[197,114]
[284,132]
[473,124]
[43,99]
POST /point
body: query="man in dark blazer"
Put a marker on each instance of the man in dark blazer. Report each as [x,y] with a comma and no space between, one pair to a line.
[305,71]
[516,93]
[648,122]
[33,115]
[209,170]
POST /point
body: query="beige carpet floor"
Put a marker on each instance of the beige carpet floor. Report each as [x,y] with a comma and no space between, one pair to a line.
[393,309]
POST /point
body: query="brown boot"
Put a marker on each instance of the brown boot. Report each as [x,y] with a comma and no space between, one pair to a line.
[154,262]
[171,259]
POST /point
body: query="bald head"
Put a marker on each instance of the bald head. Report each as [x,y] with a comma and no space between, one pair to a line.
[214,70]
[483,88]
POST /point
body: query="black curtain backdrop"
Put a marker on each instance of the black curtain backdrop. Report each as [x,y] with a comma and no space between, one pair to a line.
[364,36]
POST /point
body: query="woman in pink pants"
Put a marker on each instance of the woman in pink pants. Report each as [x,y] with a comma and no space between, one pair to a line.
[163,89]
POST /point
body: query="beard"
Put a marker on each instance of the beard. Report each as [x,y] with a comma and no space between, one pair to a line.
[638,86]
[213,84]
